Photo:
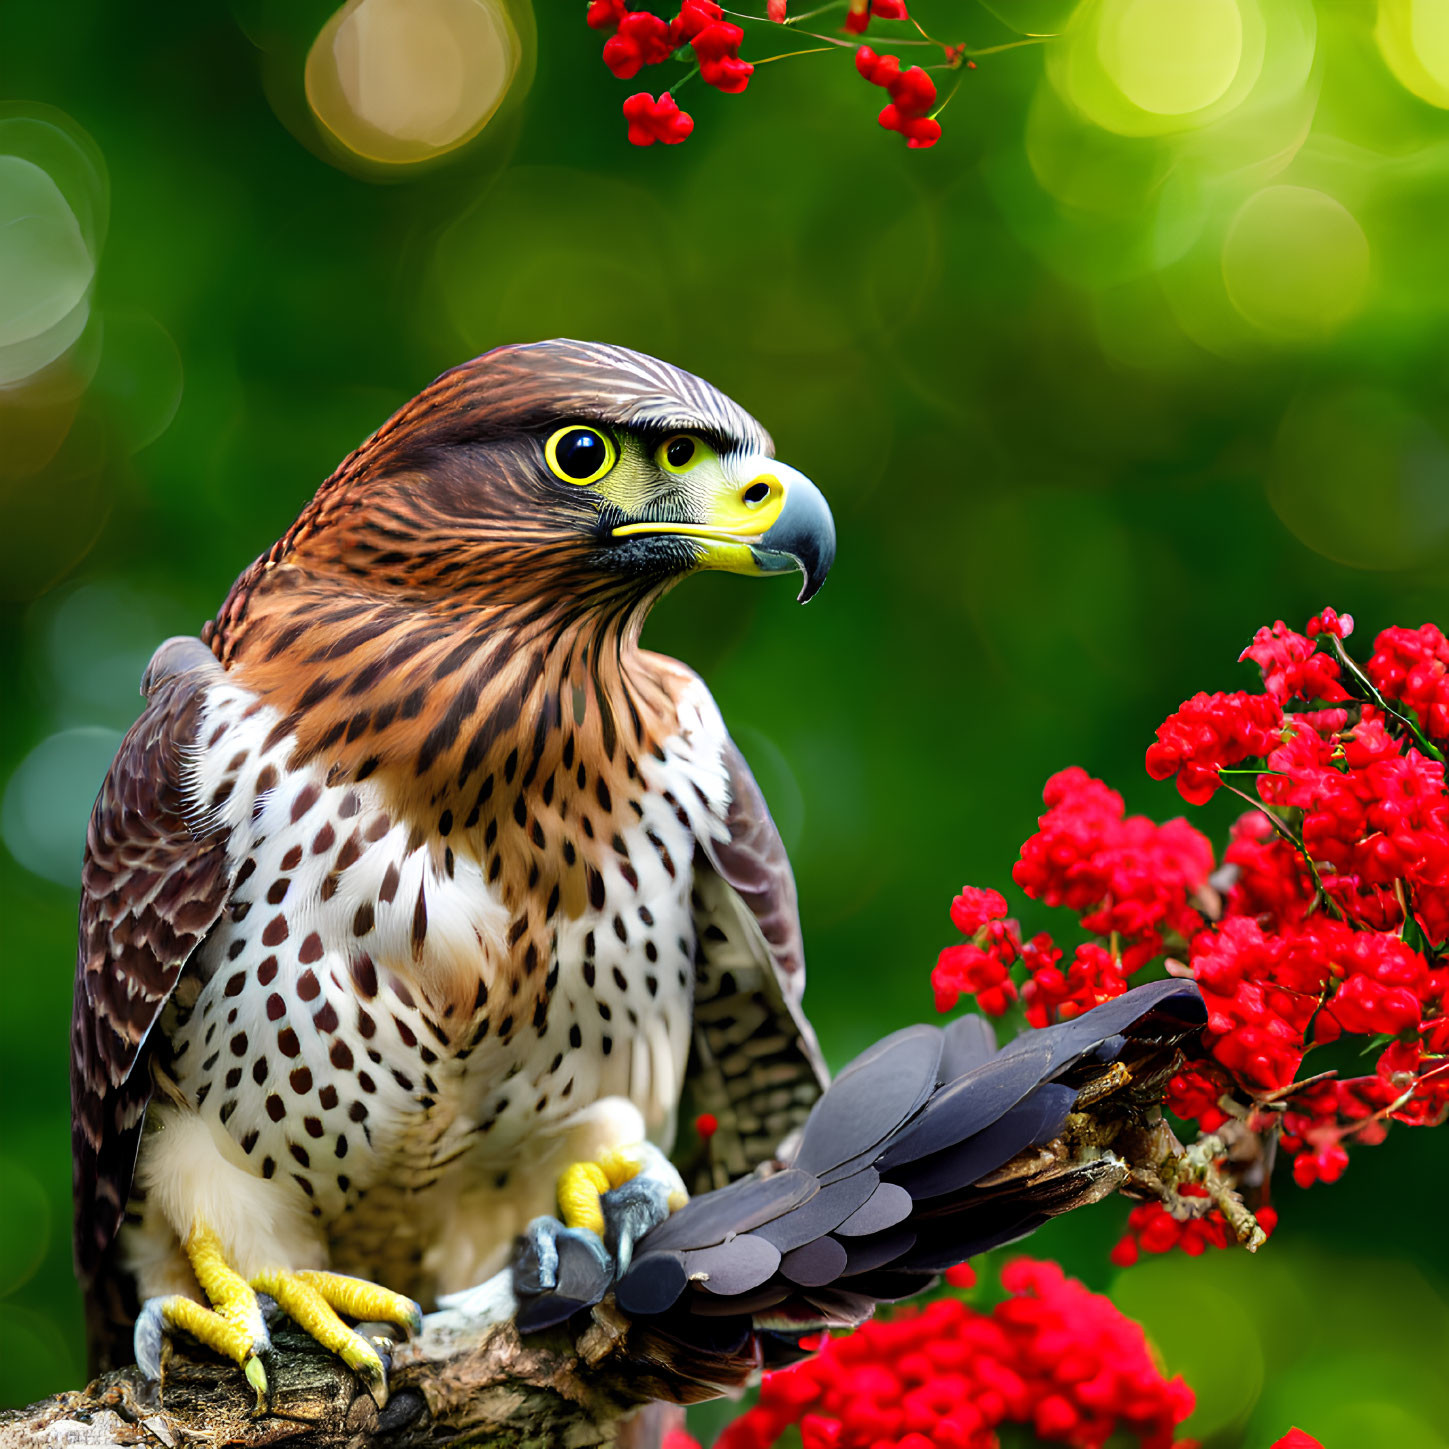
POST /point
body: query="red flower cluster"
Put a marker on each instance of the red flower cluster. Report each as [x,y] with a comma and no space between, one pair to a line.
[1292,666]
[862,12]
[1352,862]
[641,39]
[638,38]
[1152,1229]
[1124,875]
[1129,880]
[650,120]
[716,44]
[1196,1094]
[980,967]
[1052,1356]
[1374,817]
[1211,732]
[1270,876]
[1051,994]
[1409,666]
[912,94]
[1332,922]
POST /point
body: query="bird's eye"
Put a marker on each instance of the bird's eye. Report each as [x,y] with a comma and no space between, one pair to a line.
[580,455]
[681,453]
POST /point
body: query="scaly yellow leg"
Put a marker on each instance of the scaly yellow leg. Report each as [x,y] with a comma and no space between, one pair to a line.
[582,1184]
[233,1326]
[364,1301]
[311,1299]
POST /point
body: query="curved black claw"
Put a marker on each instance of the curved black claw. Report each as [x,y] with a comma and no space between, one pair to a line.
[558,1270]
[630,1211]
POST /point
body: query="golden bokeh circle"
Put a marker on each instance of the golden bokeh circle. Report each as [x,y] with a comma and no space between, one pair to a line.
[1413,37]
[1171,59]
[398,82]
[1296,263]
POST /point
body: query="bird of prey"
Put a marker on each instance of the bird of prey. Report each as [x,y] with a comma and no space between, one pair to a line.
[420,894]
[421,900]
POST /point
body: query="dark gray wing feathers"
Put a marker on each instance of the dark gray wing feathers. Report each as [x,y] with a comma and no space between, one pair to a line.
[924,1152]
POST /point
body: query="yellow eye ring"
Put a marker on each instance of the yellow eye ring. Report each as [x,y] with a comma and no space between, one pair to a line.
[580,455]
[681,453]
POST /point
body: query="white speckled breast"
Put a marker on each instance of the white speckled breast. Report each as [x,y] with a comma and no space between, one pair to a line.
[305,1030]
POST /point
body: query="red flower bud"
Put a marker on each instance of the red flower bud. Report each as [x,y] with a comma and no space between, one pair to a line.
[861,13]
[650,120]
[641,39]
[717,48]
[693,16]
[606,14]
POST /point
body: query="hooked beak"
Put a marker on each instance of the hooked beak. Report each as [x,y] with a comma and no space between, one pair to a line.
[762,517]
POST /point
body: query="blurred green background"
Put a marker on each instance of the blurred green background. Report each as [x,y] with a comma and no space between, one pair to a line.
[1149,350]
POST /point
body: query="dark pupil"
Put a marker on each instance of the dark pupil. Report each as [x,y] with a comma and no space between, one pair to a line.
[580,454]
[679,452]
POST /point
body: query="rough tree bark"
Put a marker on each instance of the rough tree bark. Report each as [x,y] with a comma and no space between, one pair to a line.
[464,1380]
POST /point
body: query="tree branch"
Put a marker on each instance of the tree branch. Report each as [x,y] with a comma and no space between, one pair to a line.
[466,1378]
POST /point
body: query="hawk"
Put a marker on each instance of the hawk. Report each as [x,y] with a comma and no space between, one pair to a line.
[419,885]
[421,900]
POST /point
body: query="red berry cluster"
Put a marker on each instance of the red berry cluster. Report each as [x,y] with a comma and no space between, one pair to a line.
[861,13]
[1152,1228]
[1051,1356]
[1130,881]
[1409,666]
[912,94]
[700,33]
[1329,920]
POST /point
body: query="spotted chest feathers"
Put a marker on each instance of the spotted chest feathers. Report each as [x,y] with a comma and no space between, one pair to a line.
[370,1022]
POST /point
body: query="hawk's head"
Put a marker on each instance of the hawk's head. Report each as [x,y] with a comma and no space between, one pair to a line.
[564,469]
[491,551]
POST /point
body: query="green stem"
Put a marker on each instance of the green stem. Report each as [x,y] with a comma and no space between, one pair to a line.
[1349,663]
[791,54]
[1292,840]
[948,99]
[688,76]
[819,10]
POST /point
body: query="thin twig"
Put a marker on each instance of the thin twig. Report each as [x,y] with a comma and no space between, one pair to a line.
[1351,664]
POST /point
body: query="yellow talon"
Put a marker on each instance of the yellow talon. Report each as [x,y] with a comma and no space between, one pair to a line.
[234,1326]
[621,1164]
[582,1184]
[364,1301]
[579,1188]
[223,1334]
[227,1291]
[312,1299]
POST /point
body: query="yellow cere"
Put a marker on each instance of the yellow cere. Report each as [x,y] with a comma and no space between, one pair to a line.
[729,500]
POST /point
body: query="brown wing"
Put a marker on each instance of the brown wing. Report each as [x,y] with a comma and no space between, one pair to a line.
[152,887]
[754,1064]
